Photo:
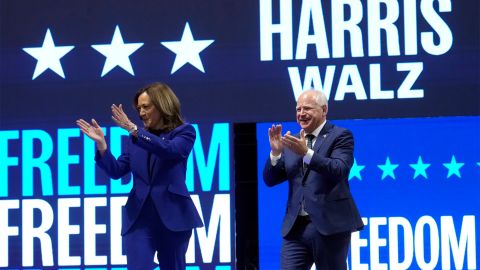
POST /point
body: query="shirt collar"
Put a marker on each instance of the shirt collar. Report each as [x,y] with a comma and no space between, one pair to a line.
[318,129]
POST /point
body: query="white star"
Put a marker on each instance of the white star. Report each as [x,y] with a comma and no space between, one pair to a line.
[48,56]
[117,53]
[187,50]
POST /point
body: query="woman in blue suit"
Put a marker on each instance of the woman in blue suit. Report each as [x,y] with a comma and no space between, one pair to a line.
[159,215]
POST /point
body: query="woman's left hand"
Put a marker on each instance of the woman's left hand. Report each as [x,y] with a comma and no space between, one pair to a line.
[119,117]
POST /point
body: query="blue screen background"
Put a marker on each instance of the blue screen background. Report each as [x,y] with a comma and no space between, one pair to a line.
[436,140]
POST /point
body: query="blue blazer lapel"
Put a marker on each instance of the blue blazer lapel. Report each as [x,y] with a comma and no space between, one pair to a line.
[140,163]
[322,136]
[151,168]
[318,144]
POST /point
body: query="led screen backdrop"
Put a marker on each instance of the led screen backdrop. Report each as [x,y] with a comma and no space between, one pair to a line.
[415,182]
[233,61]
[59,211]
[228,61]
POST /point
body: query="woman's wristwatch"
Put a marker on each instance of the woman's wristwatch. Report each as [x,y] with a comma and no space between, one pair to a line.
[134,129]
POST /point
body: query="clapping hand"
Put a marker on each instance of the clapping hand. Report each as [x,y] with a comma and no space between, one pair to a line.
[93,131]
[120,118]
[296,145]
[275,138]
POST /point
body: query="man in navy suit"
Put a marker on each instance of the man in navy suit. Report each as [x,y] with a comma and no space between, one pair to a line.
[159,215]
[321,213]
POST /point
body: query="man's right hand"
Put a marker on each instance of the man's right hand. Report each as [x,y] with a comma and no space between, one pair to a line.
[275,138]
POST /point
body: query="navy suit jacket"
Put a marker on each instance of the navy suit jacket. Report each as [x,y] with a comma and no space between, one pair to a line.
[323,185]
[163,181]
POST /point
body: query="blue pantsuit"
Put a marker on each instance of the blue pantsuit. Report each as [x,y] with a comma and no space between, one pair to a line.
[159,214]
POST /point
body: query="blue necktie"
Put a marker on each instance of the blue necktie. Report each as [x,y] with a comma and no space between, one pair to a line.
[309,138]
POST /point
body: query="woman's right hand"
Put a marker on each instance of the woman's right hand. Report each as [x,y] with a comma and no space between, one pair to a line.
[94,132]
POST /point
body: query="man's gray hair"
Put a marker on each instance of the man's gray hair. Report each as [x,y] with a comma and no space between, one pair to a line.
[321,98]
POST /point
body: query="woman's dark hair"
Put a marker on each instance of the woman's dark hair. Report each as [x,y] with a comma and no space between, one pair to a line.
[165,101]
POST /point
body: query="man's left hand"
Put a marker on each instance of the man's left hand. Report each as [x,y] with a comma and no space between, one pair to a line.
[296,145]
